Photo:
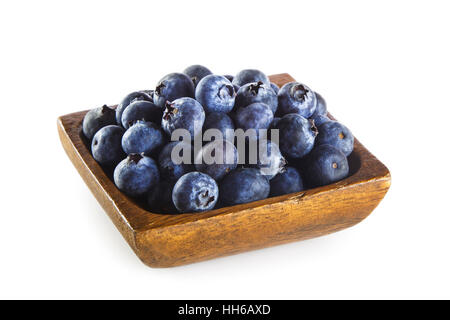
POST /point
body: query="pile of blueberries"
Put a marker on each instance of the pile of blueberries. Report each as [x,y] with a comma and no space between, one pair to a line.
[133,141]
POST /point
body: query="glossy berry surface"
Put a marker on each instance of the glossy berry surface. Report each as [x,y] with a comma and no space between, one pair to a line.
[326,165]
[296,135]
[337,135]
[106,145]
[215,94]
[295,97]
[170,170]
[250,75]
[243,185]
[183,113]
[197,72]
[171,87]
[96,119]
[136,175]
[134,96]
[141,110]
[195,192]
[319,120]
[222,122]
[217,158]
[256,92]
[288,181]
[142,137]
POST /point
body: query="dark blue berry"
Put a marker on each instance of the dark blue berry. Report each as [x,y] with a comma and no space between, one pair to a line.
[195,192]
[142,137]
[243,185]
[216,94]
[141,110]
[183,113]
[106,145]
[136,175]
[197,72]
[170,170]
[256,92]
[227,159]
[96,119]
[295,97]
[337,135]
[250,75]
[134,96]
[288,181]
[173,86]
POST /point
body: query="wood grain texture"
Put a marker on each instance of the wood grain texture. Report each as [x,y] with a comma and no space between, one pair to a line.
[165,240]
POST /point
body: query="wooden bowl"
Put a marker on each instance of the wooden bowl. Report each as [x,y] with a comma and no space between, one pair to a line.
[166,240]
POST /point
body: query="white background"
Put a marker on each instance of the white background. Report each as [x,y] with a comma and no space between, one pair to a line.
[383,68]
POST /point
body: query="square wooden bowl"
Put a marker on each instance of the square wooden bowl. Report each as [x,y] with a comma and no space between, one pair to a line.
[165,240]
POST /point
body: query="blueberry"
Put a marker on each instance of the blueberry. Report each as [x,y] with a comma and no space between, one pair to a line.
[256,92]
[141,110]
[270,161]
[171,87]
[288,181]
[337,135]
[136,175]
[96,119]
[321,107]
[326,165]
[274,122]
[170,170]
[222,122]
[134,96]
[319,120]
[229,77]
[106,145]
[295,97]
[243,185]
[250,75]
[274,87]
[195,192]
[159,197]
[227,159]
[216,94]
[296,135]
[255,116]
[197,72]
[183,113]
[142,137]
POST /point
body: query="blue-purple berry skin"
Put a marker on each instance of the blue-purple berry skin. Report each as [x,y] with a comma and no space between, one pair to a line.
[141,110]
[326,165]
[197,72]
[195,192]
[288,181]
[96,119]
[296,135]
[170,170]
[337,135]
[216,94]
[227,156]
[106,145]
[295,97]
[270,161]
[229,77]
[256,92]
[250,75]
[142,137]
[184,113]
[171,87]
[243,185]
[321,107]
[319,120]
[274,87]
[222,122]
[134,96]
[136,175]
[159,198]
[255,116]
